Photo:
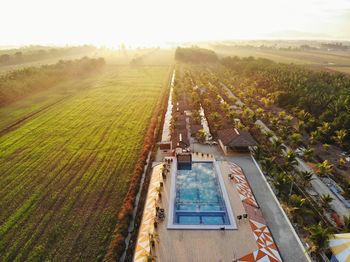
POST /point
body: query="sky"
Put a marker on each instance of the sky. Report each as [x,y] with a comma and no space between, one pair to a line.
[155,22]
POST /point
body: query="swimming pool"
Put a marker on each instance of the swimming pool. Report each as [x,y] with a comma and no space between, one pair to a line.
[200,199]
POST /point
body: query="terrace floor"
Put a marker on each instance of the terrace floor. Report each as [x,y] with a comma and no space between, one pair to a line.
[207,245]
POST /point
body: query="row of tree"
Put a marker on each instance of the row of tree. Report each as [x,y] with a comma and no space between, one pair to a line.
[22,82]
[195,55]
[323,97]
[35,53]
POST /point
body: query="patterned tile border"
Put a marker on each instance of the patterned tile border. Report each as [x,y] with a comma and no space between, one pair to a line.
[143,247]
[267,249]
[242,185]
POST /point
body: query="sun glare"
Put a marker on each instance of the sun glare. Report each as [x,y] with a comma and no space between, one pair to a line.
[144,23]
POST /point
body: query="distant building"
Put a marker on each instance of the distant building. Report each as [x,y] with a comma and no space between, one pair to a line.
[235,140]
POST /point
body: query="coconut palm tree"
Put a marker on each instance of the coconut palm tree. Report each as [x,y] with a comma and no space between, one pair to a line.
[258,152]
[268,165]
[342,163]
[290,160]
[308,153]
[297,208]
[305,178]
[296,139]
[260,111]
[346,228]
[268,135]
[314,136]
[300,126]
[326,200]
[232,115]
[288,119]
[324,128]
[201,135]
[277,146]
[340,137]
[282,183]
[324,168]
[326,147]
[319,236]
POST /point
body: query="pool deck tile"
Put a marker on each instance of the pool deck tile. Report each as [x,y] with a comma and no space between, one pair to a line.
[242,185]
[203,245]
[143,248]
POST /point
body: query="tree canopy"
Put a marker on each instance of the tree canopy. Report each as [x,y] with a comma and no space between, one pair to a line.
[195,55]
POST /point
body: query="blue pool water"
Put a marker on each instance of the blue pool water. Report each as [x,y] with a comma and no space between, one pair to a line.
[199,199]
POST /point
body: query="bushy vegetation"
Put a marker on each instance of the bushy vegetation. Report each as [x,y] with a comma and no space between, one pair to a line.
[195,55]
[67,172]
[35,53]
[23,82]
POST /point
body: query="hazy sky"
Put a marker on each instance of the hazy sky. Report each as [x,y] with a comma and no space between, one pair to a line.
[144,22]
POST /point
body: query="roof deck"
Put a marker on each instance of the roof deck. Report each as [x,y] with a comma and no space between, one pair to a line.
[202,244]
[205,245]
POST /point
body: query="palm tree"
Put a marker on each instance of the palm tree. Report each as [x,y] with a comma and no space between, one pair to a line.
[300,126]
[232,115]
[319,236]
[257,152]
[201,135]
[308,153]
[274,121]
[326,200]
[305,178]
[314,136]
[297,208]
[268,135]
[290,161]
[340,137]
[260,111]
[302,114]
[296,139]
[324,168]
[288,119]
[268,164]
[325,128]
[346,228]
[326,147]
[225,107]
[342,163]
[282,114]
[277,146]
[281,182]
[215,117]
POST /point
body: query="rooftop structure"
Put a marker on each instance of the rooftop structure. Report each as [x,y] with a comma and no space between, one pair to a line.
[236,140]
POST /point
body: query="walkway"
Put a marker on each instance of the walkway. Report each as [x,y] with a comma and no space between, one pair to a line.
[287,241]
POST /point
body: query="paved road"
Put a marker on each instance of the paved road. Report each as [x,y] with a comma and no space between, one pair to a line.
[284,235]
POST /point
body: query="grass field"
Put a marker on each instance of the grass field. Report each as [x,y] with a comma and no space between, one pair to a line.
[65,170]
[337,61]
